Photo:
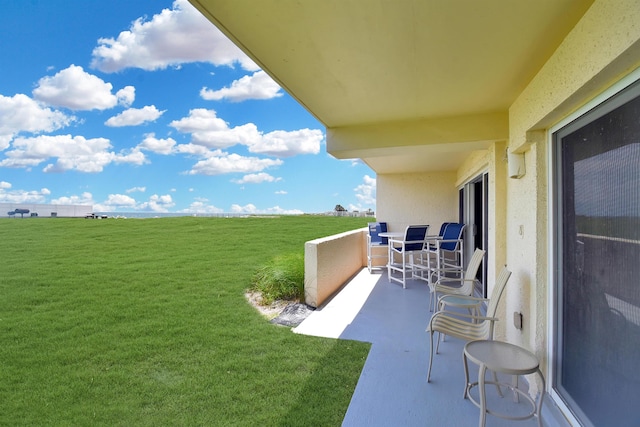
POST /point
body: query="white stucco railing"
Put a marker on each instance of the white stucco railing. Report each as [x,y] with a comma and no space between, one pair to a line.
[329,262]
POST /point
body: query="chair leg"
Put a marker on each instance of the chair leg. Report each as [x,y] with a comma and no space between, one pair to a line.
[404,271]
[430,357]
[466,375]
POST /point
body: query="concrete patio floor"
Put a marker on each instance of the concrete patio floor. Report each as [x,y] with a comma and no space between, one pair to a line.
[392,389]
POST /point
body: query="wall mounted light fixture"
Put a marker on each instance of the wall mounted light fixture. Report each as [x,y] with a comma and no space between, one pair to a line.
[516,165]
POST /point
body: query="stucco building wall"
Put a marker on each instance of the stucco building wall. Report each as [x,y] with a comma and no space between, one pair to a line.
[595,55]
[331,261]
[417,198]
[603,48]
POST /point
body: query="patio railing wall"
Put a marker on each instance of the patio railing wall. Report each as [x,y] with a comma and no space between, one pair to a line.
[329,262]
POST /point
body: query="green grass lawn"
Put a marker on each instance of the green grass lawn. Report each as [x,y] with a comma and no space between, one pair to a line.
[144,322]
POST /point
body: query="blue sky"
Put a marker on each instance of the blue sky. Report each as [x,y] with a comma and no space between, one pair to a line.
[133,105]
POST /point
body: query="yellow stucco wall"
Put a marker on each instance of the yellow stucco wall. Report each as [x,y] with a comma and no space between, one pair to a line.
[329,262]
[417,198]
[602,48]
[492,161]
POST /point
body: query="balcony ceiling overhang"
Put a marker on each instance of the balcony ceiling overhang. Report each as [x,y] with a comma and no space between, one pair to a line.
[404,84]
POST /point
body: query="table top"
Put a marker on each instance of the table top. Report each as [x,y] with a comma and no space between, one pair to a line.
[391,234]
[501,356]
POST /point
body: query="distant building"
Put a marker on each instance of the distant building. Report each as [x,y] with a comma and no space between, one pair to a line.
[8,210]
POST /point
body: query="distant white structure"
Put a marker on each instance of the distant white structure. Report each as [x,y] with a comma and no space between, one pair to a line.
[8,210]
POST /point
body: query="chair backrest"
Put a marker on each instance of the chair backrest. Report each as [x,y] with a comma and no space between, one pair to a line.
[452,232]
[498,288]
[443,227]
[375,228]
[415,233]
[474,265]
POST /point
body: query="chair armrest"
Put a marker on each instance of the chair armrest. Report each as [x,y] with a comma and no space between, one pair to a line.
[470,298]
[451,279]
[405,242]
[440,242]
[439,286]
[463,315]
[449,240]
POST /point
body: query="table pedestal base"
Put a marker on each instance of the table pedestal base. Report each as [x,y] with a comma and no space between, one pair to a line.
[506,358]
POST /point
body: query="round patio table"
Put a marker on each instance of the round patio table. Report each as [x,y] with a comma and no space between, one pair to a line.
[498,356]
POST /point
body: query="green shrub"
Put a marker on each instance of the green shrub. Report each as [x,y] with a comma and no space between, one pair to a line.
[281,279]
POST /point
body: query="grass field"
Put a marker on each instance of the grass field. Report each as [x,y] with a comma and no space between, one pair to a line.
[144,322]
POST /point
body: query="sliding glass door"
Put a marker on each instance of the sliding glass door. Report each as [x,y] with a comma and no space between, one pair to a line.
[474,213]
[596,368]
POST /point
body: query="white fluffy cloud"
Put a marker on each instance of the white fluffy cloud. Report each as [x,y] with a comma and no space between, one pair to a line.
[366,192]
[123,202]
[126,96]
[85,198]
[135,189]
[71,153]
[201,206]
[282,143]
[160,146]
[172,37]
[252,209]
[207,129]
[256,86]
[249,209]
[20,113]
[135,116]
[21,196]
[76,89]
[210,131]
[223,163]
[158,203]
[115,202]
[196,150]
[257,178]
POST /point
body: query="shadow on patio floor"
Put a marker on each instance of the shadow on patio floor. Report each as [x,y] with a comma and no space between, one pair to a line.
[392,390]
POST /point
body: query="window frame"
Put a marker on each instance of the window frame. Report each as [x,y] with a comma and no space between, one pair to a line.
[602,104]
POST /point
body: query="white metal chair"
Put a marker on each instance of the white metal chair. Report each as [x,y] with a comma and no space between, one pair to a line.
[413,241]
[462,286]
[374,243]
[466,326]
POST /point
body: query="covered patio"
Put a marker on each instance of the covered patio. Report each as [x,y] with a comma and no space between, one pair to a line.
[470,112]
[392,390]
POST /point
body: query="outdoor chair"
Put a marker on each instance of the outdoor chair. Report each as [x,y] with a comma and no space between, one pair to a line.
[443,227]
[443,256]
[460,286]
[423,266]
[412,242]
[466,326]
[374,242]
